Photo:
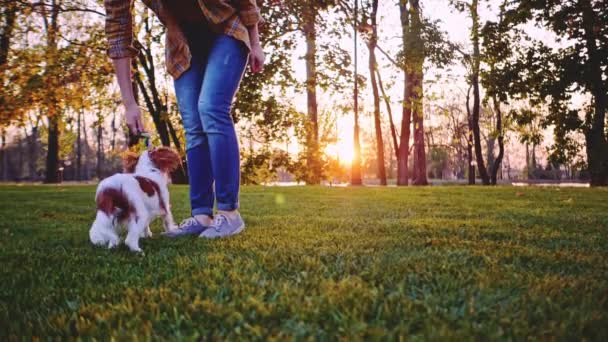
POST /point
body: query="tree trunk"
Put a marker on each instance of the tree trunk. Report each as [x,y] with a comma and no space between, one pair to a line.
[179,176]
[173,134]
[114,130]
[52,156]
[99,150]
[19,170]
[595,136]
[490,143]
[483,172]
[86,173]
[9,16]
[4,157]
[33,153]
[391,161]
[528,173]
[356,162]
[154,105]
[78,148]
[6,31]
[501,143]
[597,156]
[381,172]
[404,139]
[460,154]
[471,166]
[420,175]
[533,158]
[312,133]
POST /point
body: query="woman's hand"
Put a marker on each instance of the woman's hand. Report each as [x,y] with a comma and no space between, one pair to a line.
[256,55]
[122,66]
[256,58]
[133,117]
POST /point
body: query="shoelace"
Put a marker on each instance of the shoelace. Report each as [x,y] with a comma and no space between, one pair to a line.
[217,223]
[188,222]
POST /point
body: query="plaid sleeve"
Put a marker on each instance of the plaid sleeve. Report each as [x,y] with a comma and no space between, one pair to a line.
[248,11]
[119,28]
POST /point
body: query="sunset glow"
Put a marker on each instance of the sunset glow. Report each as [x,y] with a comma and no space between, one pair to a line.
[342,149]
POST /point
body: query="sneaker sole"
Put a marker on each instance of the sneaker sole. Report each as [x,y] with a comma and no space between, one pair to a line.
[235,232]
[174,234]
[238,230]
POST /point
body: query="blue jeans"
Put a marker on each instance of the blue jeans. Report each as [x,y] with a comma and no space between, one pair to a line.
[204,95]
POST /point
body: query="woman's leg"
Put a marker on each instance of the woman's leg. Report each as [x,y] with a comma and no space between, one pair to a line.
[226,63]
[187,90]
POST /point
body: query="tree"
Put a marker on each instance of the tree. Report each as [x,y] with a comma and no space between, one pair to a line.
[455,128]
[498,43]
[51,26]
[261,108]
[580,65]
[470,154]
[372,42]
[306,17]
[565,153]
[529,129]
[356,178]
[308,21]
[148,86]
[406,107]
[45,64]
[9,13]
[417,54]
[474,61]
[422,42]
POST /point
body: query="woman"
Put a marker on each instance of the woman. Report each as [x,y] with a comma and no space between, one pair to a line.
[208,45]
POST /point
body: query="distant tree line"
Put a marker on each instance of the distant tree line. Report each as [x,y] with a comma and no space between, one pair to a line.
[60,118]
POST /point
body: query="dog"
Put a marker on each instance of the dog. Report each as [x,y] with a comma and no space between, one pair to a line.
[134,198]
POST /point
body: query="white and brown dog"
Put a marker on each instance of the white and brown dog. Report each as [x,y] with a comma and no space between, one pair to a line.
[134,198]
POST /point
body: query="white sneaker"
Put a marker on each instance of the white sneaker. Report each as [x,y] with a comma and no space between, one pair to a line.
[224,226]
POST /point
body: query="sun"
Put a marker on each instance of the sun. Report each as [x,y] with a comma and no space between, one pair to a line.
[341,150]
[345,154]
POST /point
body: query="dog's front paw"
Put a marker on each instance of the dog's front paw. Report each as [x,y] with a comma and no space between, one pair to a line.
[113,243]
[137,250]
[133,246]
[147,233]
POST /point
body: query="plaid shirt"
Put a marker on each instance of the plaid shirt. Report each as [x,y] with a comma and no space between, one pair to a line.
[231,17]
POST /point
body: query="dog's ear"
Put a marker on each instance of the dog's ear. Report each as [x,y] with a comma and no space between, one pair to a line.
[166,159]
[129,161]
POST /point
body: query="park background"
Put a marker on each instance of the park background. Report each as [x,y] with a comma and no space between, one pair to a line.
[442,86]
[463,92]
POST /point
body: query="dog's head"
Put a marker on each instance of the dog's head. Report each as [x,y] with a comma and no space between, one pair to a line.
[162,158]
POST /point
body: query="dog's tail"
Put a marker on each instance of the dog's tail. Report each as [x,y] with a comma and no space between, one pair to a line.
[102,231]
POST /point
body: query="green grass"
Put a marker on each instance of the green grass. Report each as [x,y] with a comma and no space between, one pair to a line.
[432,263]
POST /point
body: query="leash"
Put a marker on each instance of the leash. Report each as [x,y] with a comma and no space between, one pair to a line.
[146,138]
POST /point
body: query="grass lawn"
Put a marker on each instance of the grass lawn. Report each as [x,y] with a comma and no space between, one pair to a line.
[432,263]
